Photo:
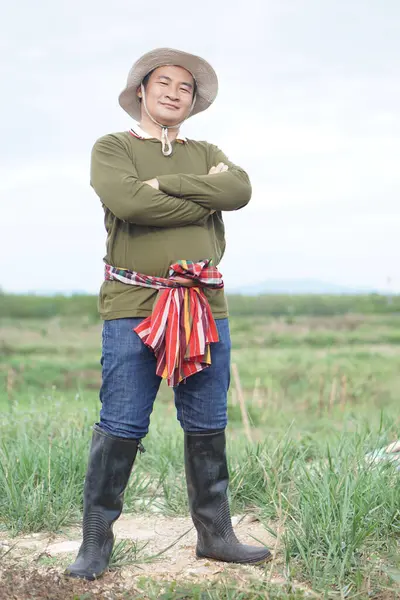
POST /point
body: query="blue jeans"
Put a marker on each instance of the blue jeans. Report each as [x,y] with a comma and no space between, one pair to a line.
[130,384]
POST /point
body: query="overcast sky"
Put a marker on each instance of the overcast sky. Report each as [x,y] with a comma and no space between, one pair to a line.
[309,105]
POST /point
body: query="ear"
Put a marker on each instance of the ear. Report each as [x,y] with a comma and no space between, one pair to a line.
[139,92]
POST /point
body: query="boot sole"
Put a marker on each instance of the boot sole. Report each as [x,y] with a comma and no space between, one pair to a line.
[82,576]
[259,561]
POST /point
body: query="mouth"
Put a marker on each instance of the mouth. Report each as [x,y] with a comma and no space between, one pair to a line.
[170,106]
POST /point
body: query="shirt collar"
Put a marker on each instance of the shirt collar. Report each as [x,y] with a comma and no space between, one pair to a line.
[140,133]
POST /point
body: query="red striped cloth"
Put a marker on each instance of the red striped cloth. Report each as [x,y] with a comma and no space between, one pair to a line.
[181,326]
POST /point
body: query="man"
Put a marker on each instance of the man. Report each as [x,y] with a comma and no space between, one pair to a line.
[163,197]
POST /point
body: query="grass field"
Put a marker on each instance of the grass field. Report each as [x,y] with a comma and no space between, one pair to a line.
[318,394]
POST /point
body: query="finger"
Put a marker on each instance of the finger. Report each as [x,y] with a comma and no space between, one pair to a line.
[212,170]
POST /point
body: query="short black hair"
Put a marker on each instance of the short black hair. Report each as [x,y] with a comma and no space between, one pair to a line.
[146,79]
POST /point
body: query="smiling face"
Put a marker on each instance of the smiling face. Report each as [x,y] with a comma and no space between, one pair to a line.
[169,94]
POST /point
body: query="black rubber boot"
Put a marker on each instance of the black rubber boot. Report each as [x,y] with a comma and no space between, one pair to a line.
[207,481]
[110,464]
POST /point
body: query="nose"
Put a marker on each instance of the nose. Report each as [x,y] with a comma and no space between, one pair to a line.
[172,95]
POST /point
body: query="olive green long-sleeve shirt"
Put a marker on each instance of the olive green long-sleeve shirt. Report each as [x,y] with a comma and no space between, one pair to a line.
[148,229]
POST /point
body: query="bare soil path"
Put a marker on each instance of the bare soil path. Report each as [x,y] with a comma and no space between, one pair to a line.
[32,566]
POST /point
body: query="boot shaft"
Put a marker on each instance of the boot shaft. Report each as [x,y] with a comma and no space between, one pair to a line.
[207,477]
[207,480]
[110,464]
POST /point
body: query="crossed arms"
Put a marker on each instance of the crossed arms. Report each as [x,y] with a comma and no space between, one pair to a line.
[180,200]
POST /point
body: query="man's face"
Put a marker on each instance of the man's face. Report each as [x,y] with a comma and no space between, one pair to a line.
[169,94]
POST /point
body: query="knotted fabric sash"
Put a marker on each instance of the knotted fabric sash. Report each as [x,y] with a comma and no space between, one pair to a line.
[181,326]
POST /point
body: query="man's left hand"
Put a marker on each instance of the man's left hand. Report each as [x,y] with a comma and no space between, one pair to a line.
[153,183]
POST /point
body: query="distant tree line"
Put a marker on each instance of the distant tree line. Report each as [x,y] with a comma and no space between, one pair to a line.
[24,306]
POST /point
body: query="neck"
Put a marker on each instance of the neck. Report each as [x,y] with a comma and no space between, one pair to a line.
[155,130]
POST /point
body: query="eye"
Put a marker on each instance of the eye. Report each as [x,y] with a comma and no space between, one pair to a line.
[163,83]
[185,90]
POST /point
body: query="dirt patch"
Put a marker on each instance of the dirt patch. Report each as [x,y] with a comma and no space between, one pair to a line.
[37,584]
[32,566]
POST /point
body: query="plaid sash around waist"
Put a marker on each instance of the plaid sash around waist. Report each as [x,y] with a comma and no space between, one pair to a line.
[181,326]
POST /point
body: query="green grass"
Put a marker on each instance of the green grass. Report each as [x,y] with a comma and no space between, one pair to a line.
[33,306]
[315,410]
[151,590]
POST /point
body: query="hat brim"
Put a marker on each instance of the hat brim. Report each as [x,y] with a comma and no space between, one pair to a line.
[203,73]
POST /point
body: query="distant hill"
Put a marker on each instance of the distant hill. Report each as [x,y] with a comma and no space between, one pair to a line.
[299,286]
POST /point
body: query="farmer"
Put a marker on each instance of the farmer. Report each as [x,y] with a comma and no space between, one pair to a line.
[163,303]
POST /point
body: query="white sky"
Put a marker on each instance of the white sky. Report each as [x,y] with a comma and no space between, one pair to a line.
[309,105]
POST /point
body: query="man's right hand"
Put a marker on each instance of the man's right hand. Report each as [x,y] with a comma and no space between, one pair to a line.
[220,168]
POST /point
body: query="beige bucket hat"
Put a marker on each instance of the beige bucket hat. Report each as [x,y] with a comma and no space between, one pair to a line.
[203,74]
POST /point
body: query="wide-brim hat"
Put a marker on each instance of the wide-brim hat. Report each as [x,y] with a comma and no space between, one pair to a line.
[202,72]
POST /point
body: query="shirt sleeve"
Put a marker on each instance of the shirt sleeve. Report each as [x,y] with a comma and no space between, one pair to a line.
[230,190]
[115,180]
